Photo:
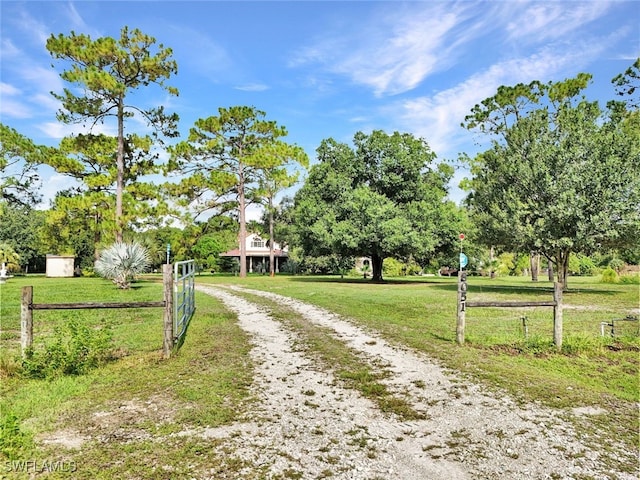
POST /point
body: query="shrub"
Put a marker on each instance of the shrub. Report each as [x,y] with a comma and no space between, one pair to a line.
[122,262]
[393,268]
[75,350]
[609,275]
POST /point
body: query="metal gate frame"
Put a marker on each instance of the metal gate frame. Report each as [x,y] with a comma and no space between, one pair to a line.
[184,300]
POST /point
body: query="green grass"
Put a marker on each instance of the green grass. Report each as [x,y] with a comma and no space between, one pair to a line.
[207,382]
[122,406]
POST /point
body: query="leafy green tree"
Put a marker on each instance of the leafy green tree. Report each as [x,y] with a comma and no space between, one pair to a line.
[561,176]
[89,159]
[19,157]
[382,199]
[21,228]
[221,163]
[109,71]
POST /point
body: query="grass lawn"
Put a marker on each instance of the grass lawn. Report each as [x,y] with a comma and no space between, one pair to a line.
[212,371]
[204,384]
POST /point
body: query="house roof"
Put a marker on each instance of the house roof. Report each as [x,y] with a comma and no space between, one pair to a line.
[255,253]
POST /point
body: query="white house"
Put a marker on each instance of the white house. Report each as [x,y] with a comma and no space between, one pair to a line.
[258,254]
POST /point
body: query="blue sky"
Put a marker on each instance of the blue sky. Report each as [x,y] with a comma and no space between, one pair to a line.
[326,69]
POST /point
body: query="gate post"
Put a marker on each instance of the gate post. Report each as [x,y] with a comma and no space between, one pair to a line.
[167,281]
[26,320]
[557,315]
[462,307]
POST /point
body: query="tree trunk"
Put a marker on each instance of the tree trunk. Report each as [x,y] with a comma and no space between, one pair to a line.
[272,270]
[535,266]
[119,171]
[376,265]
[550,270]
[243,222]
[562,267]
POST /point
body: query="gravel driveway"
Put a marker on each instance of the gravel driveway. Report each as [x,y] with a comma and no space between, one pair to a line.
[308,425]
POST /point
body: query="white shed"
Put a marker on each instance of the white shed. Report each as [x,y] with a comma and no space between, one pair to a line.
[60,265]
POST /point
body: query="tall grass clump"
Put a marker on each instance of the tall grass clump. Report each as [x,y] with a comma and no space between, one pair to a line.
[122,263]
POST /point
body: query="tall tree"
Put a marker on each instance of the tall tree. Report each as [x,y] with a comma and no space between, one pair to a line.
[561,175]
[272,180]
[385,198]
[109,71]
[221,162]
[19,157]
[628,85]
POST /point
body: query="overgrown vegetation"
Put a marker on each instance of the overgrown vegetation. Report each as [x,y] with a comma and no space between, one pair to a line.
[75,349]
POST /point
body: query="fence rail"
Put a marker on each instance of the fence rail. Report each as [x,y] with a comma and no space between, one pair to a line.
[463,304]
[184,277]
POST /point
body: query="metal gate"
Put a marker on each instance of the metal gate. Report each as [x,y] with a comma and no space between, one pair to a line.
[184,301]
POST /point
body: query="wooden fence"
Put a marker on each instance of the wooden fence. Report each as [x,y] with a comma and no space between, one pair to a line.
[556,303]
[169,340]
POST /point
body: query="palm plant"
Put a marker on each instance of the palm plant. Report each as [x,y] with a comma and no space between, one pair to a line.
[9,257]
[122,262]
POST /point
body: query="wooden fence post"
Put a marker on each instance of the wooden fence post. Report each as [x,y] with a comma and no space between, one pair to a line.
[462,298]
[26,320]
[557,315]
[167,280]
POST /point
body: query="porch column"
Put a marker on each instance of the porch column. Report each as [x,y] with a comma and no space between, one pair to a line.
[250,264]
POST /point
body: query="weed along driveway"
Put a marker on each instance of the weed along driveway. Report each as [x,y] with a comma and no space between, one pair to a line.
[338,401]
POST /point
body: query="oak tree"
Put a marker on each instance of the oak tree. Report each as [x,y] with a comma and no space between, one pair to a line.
[383,198]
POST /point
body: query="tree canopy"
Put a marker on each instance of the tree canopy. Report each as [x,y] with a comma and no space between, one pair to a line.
[109,70]
[19,158]
[561,175]
[383,198]
[224,159]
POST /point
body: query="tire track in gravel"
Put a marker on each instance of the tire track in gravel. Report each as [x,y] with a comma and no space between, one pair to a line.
[307,422]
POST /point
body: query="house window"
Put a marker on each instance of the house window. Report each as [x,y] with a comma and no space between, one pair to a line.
[257,243]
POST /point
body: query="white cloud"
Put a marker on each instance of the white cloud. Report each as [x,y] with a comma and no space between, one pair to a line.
[14,109]
[550,20]
[252,87]
[393,51]
[437,118]
[58,130]
[7,89]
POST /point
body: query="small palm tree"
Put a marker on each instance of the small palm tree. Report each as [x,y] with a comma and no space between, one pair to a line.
[122,262]
[9,257]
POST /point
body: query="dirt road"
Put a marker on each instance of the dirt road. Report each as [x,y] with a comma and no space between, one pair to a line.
[308,425]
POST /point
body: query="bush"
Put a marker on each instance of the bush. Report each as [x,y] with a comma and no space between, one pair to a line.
[609,275]
[393,268]
[75,350]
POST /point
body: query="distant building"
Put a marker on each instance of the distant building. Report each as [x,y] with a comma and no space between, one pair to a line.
[258,254]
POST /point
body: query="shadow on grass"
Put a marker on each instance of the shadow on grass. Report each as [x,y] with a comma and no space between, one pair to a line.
[368,281]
